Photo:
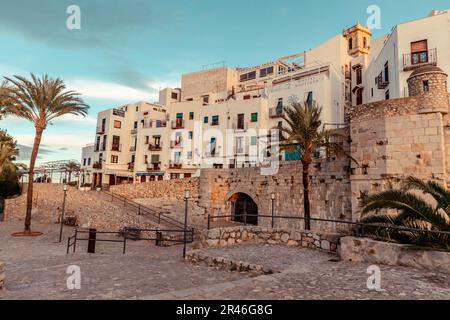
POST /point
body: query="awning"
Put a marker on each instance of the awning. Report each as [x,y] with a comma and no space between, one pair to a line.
[149,174]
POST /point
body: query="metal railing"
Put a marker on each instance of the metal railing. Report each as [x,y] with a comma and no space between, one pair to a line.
[179,124]
[276,112]
[155,147]
[154,215]
[360,228]
[156,234]
[413,61]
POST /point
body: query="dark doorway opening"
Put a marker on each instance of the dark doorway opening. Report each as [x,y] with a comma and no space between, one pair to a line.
[244,209]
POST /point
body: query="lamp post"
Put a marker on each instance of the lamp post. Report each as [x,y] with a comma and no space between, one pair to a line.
[272,200]
[62,212]
[186,198]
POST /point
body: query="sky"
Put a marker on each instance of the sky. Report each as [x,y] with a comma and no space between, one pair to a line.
[126,50]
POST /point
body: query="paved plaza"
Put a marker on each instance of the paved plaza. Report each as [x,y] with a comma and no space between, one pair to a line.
[36,269]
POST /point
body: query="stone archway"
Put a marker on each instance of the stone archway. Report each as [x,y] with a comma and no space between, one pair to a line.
[244,208]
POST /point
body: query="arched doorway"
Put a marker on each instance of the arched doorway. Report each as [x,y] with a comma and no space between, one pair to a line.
[243,204]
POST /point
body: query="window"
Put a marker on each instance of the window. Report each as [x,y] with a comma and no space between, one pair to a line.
[372,92]
[248,76]
[419,52]
[103,125]
[240,123]
[155,158]
[359,97]
[89,161]
[117,124]
[135,125]
[190,135]
[253,141]
[179,116]
[205,120]
[145,159]
[84,162]
[358,76]
[137,108]
[255,117]
[213,144]
[309,98]
[426,86]
[365,42]
[350,44]
[386,71]
[189,155]
[191,116]
[247,97]
[280,104]
[116,143]
[205,100]
[215,121]
[386,95]
[114,159]
[174,95]
[133,158]
[265,72]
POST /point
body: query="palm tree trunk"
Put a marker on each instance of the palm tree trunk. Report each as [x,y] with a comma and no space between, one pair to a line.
[306,204]
[34,153]
[70,176]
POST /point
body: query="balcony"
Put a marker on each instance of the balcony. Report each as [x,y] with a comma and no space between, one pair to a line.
[211,154]
[348,75]
[276,112]
[412,61]
[100,130]
[131,166]
[97,165]
[116,147]
[240,126]
[103,147]
[154,124]
[154,167]
[382,83]
[175,165]
[96,148]
[176,144]
[178,124]
[133,149]
[119,113]
[134,131]
[155,147]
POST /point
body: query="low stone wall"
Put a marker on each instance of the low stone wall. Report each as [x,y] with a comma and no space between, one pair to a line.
[2,275]
[223,237]
[377,252]
[158,189]
[196,256]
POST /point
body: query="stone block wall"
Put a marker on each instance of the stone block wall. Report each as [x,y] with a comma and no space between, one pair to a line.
[391,140]
[377,252]
[224,237]
[158,189]
[329,195]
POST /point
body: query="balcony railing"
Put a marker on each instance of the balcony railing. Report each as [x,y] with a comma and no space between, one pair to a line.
[103,147]
[176,144]
[97,165]
[178,124]
[240,126]
[413,61]
[381,81]
[100,130]
[134,131]
[276,112]
[155,147]
[211,154]
[116,147]
[154,124]
[175,165]
[133,149]
[119,113]
[131,166]
[152,167]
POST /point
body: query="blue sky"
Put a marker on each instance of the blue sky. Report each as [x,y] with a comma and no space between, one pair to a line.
[128,49]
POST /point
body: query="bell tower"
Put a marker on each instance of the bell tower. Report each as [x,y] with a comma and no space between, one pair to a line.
[358,40]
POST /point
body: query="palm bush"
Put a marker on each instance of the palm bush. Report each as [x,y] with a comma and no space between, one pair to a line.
[420,205]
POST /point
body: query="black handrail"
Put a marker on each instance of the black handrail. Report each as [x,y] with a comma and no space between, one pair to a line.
[361,225]
[147,210]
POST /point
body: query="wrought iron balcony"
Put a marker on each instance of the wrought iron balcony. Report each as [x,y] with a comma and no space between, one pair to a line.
[175,166]
[152,167]
[240,126]
[134,131]
[412,61]
[97,165]
[176,144]
[276,112]
[100,130]
[155,147]
[178,124]
[382,83]
[116,147]
[133,149]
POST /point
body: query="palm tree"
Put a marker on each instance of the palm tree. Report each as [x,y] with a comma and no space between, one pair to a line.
[411,210]
[306,134]
[72,166]
[39,100]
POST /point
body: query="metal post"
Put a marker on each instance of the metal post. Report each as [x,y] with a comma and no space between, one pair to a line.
[62,215]
[92,240]
[75,241]
[185,225]
[273,218]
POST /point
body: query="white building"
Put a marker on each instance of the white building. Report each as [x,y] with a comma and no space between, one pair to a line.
[220,117]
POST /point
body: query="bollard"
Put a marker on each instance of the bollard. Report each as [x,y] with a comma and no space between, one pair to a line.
[159,239]
[92,240]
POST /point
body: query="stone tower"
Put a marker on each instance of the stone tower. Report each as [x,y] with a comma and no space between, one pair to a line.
[430,84]
[358,38]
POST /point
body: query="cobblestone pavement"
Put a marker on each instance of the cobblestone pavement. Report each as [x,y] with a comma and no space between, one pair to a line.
[36,269]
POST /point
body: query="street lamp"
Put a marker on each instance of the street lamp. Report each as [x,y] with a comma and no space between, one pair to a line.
[186,198]
[62,211]
[272,199]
